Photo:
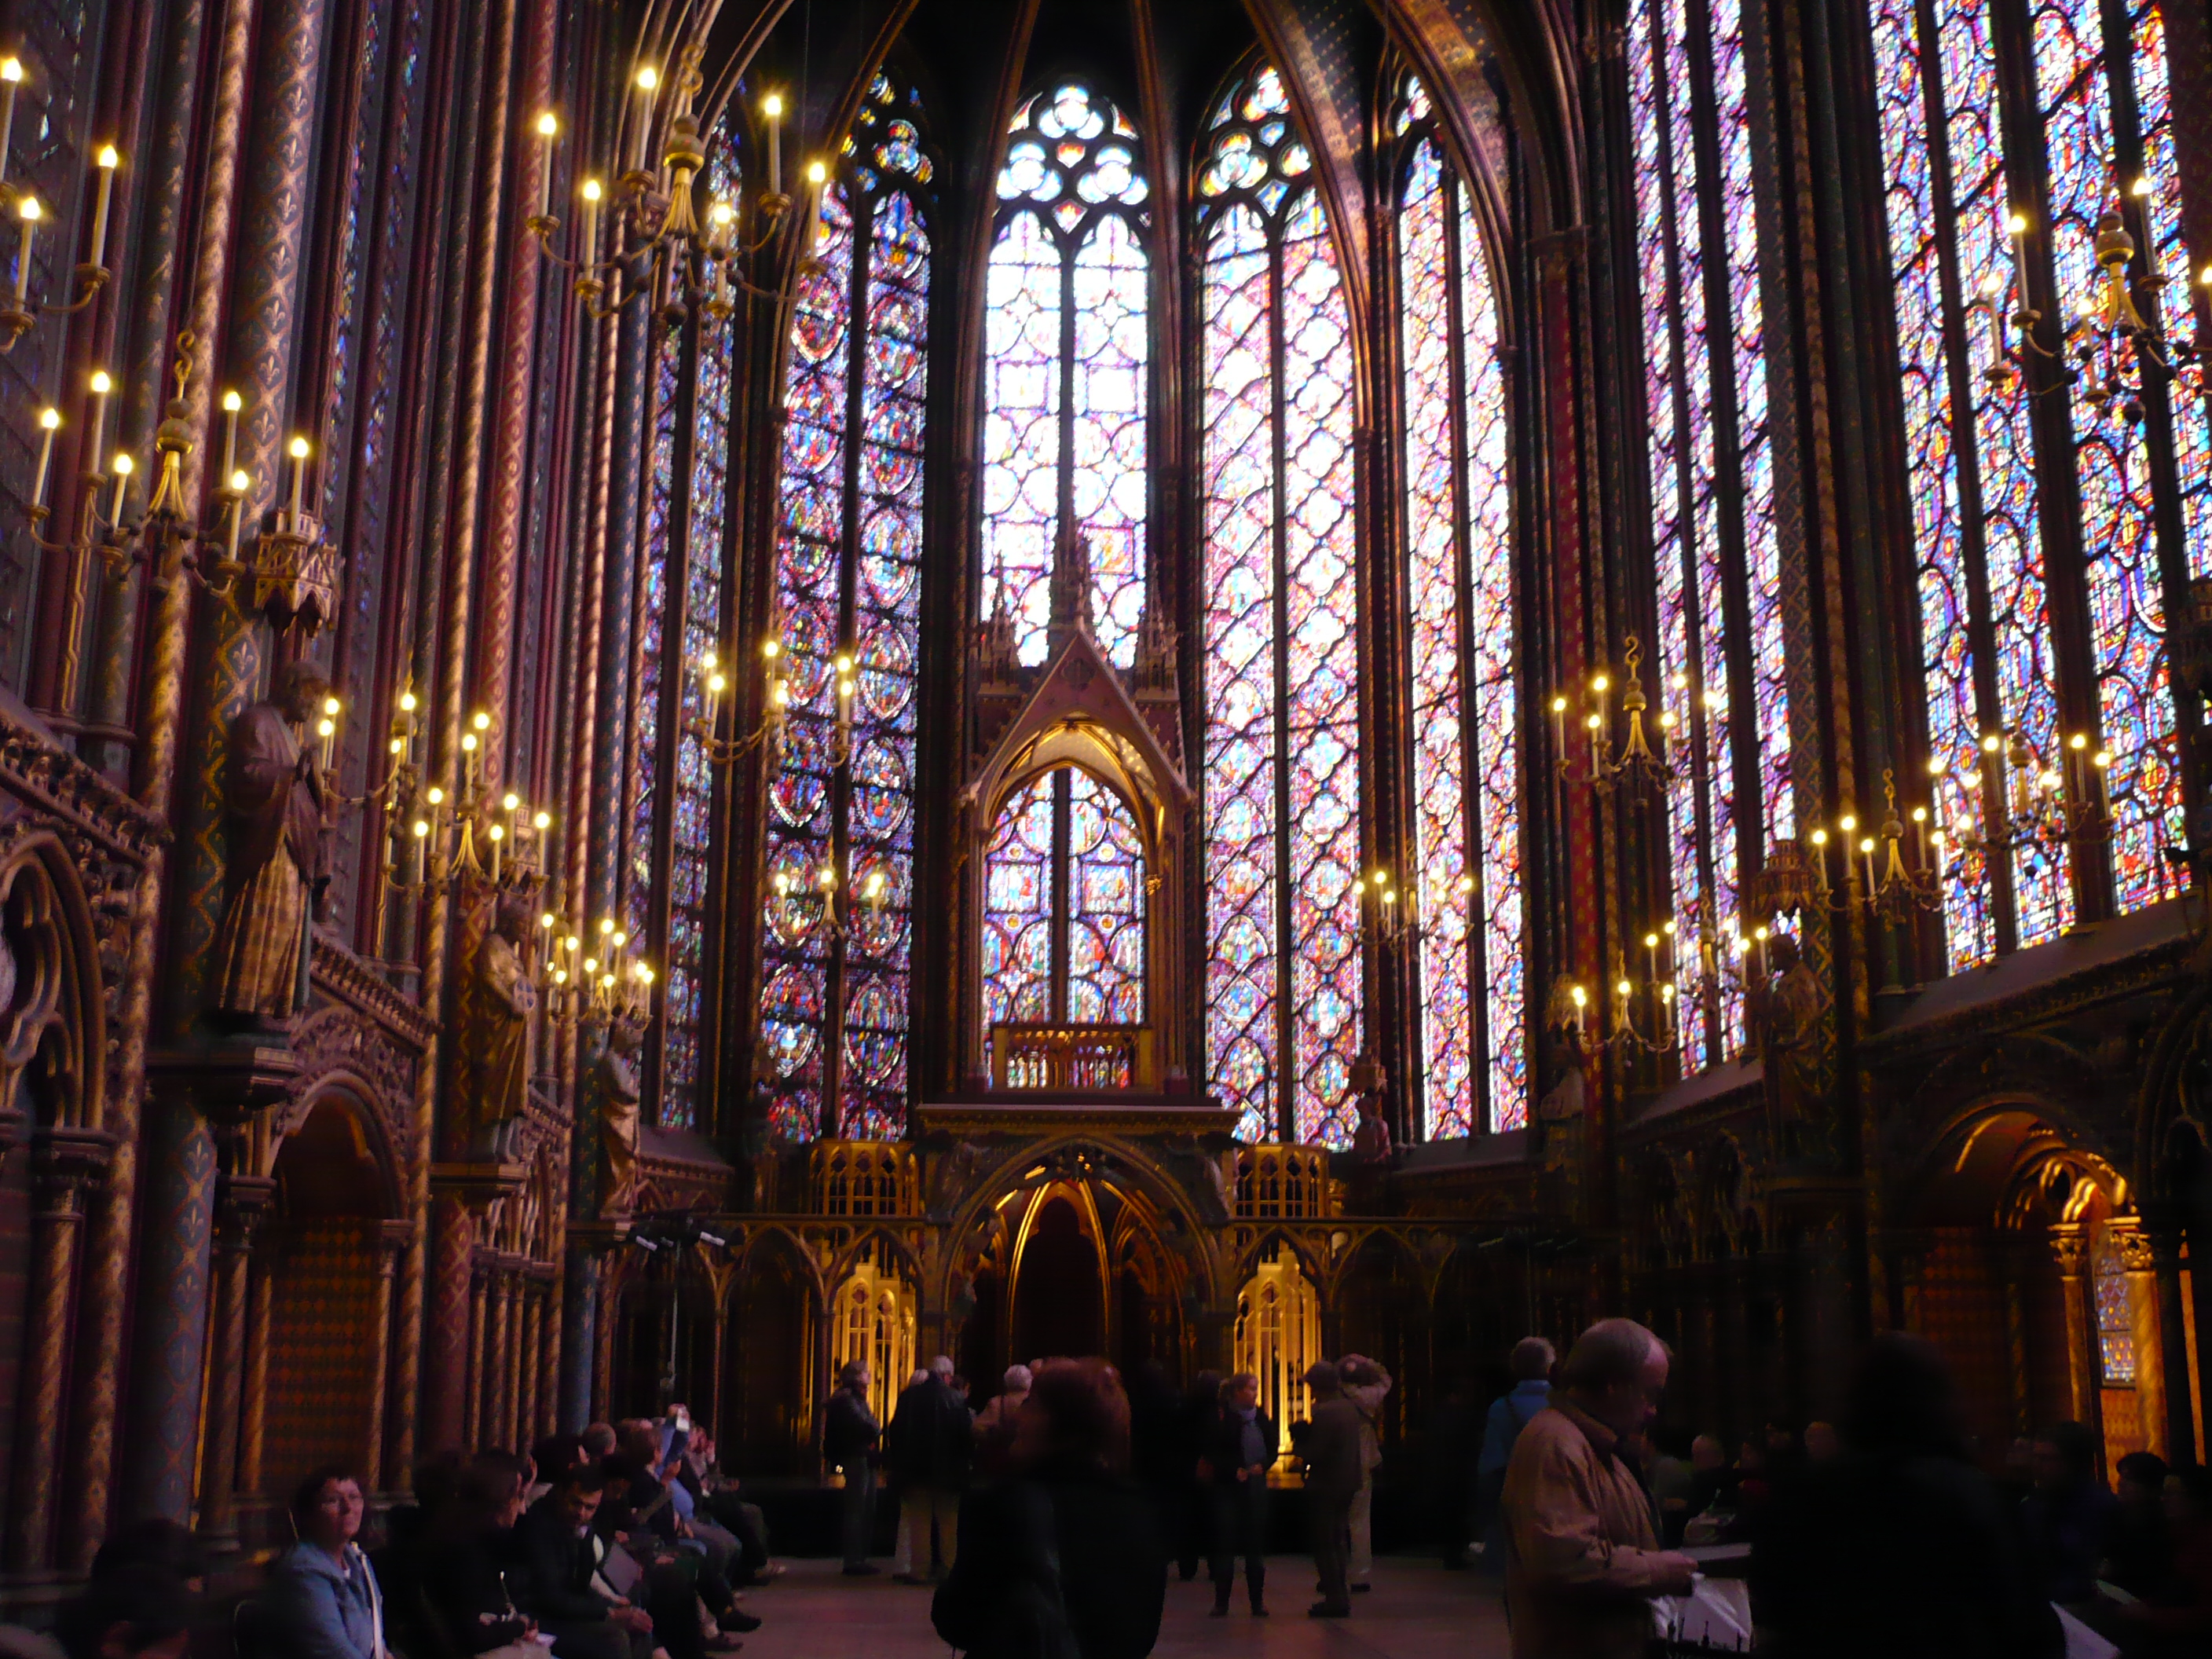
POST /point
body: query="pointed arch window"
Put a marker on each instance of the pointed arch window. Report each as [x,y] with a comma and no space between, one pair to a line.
[1064,906]
[1721,651]
[671,793]
[1066,358]
[1460,650]
[840,822]
[2054,532]
[1280,614]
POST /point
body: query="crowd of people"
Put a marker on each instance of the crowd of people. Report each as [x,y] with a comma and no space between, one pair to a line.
[624,1543]
[1877,1534]
[1049,1518]
[1199,1459]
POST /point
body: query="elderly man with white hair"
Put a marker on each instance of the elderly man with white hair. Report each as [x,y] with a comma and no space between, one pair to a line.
[1583,1558]
[996,1423]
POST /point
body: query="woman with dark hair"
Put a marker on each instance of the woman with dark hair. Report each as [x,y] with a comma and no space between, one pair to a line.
[1900,1547]
[1064,1557]
[323,1600]
[2178,1619]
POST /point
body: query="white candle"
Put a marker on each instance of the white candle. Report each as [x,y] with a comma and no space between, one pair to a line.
[548,129]
[771,106]
[232,402]
[11,76]
[106,161]
[648,78]
[587,241]
[101,385]
[299,476]
[239,483]
[31,212]
[122,484]
[49,420]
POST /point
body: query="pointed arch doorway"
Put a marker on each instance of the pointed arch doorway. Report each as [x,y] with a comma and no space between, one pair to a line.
[1059,1282]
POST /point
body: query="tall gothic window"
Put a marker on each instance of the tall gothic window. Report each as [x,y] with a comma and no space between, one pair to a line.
[848,593]
[1064,906]
[2052,526]
[679,622]
[1066,354]
[1720,652]
[1466,758]
[1282,657]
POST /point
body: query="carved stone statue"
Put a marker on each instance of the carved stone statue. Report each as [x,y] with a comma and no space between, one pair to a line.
[496,1030]
[1370,1141]
[1559,1115]
[274,823]
[1787,1013]
[620,1089]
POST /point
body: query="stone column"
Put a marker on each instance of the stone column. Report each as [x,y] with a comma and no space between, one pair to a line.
[262,1271]
[2139,1261]
[241,1201]
[529,1372]
[2069,1243]
[580,1295]
[391,1238]
[66,1164]
[453,1386]
[476,1419]
[2163,1237]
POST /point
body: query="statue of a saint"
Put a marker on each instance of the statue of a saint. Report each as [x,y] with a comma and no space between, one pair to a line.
[620,1089]
[501,999]
[274,820]
[1787,1016]
[1370,1141]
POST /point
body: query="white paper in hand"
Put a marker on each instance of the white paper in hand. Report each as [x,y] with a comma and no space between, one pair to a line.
[1717,1612]
[2081,1642]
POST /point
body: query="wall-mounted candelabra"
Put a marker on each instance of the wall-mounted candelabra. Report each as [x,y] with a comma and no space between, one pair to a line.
[481,837]
[688,257]
[1629,762]
[822,905]
[610,984]
[2113,346]
[712,679]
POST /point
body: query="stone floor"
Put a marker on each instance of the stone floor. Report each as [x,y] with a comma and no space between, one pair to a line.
[1417,1611]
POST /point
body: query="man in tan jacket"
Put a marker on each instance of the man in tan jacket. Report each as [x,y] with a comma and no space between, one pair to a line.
[1583,1560]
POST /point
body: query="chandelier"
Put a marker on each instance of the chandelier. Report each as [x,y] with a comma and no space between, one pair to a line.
[1607,763]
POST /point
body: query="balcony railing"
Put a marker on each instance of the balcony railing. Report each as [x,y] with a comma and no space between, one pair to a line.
[1042,1055]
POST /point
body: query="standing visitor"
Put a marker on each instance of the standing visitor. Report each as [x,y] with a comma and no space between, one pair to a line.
[2178,1620]
[1531,1365]
[1243,1448]
[929,1449]
[1201,1405]
[1582,1556]
[1330,1449]
[2067,1516]
[1366,1385]
[1898,1545]
[995,1423]
[323,1599]
[849,1433]
[1062,1558]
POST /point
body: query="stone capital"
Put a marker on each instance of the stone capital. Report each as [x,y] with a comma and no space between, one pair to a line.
[2070,1247]
[476,1186]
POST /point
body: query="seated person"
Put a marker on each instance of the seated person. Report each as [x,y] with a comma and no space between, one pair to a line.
[2138,1543]
[323,1601]
[129,1610]
[471,1549]
[158,1543]
[639,1515]
[559,1552]
[2177,1619]
[716,1495]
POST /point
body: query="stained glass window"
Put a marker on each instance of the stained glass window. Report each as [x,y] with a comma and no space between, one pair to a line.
[1460,643]
[2116,1324]
[1281,763]
[1067,355]
[1961,237]
[1064,906]
[679,626]
[848,595]
[1720,654]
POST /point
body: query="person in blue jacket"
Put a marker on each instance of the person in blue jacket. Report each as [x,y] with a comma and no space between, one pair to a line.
[1531,1365]
[323,1602]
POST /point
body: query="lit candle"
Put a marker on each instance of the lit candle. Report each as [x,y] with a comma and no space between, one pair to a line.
[1596,724]
[1559,727]
[1651,956]
[648,80]
[1581,1003]
[1935,841]
[2102,763]
[1920,838]
[588,240]
[106,161]
[11,76]
[1758,950]
[31,212]
[716,683]
[771,106]
[498,834]
[298,476]
[327,729]
[548,129]
[2016,228]
[844,692]
[122,484]
[816,175]
[1866,851]
[48,421]
[241,483]
[232,402]
[101,385]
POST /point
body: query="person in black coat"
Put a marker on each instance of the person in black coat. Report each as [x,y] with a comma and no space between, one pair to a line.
[1201,1405]
[1064,1557]
[1241,1447]
[928,1449]
[1901,1546]
[849,1434]
[469,1553]
[558,1552]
